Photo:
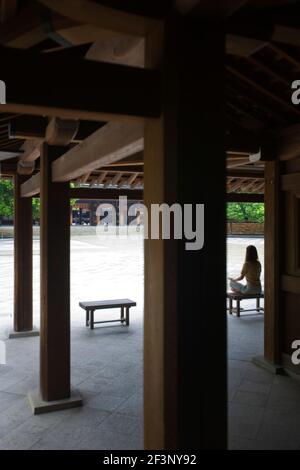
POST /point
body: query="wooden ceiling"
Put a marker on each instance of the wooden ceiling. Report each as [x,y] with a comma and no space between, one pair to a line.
[263,59]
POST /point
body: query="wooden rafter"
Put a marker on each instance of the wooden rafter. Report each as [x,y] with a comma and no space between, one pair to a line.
[254,102]
[237,184]
[111,143]
[206,9]
[254,122]
[115,180]
[32,150]
[263,90]
[126,93]
[125,50]
[248,187]
[131,179]
[31,187]
[260,65]
[245,197]
[103,17]
[283,54]
[24,30]
[237,162]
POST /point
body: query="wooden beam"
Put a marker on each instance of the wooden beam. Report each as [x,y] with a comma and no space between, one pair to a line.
[287,143]
[245,174]
[102,17]
[25,168]
[61,131]
[236,185]
[25,29]
[131,179]
[290,182]
[27,127]
[101,193]
[9,154]
[31,187]
[246,117]
[240,141]
[178,412]
[23,320]
[31,150]
[111,143]
[55,282]
[34,127]
[268,25]
[244,197]
[238,162]
[283,54]
[243,46]
[272,262]
[205,9]
[248,186]
[101,178]
[111,92]
[276,76]
[263,90]
[126,50]
[83,179]
[8,169]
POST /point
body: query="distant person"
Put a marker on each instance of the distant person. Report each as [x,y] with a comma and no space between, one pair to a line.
[251,271]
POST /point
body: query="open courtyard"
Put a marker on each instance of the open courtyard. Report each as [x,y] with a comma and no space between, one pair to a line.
[107,363]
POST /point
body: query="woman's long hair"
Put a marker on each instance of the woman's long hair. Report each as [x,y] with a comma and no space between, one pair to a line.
[251,253]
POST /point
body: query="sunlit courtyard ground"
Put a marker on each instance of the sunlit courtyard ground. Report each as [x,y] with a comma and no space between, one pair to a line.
[107,363]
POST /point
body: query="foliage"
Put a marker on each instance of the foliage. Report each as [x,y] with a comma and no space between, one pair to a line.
[6,198]
[245,211]
[252,212]
[35,207]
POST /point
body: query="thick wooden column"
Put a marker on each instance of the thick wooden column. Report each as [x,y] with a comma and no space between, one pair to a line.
[185,306]
[22,259]
[271,342]
[55,281]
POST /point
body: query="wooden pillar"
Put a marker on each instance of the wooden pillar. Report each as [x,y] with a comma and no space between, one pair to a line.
[22,259]
[55,281]
[271,342]
[185,387]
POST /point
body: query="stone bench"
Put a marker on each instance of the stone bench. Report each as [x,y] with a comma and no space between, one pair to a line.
[239,297]
[90,307]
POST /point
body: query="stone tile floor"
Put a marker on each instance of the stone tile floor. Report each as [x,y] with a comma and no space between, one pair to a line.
[107,370]
[106,363]
[264,410]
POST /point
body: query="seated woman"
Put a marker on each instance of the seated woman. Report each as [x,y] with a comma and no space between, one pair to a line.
[251,271]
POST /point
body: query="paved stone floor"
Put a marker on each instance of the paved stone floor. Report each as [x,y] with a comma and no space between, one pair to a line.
[264,411]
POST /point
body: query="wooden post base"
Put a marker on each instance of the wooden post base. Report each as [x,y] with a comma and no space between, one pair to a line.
[276,369]
[23,334]
[39,406]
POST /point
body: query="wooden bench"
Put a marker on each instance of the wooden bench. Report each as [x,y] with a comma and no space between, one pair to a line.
[238,297]
[90,307]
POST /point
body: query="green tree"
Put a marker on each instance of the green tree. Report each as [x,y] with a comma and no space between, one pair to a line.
[35,207]
[246,211]
[6,198]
